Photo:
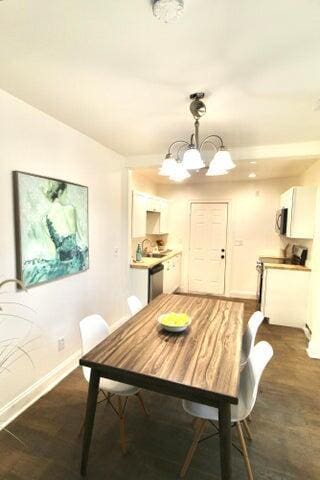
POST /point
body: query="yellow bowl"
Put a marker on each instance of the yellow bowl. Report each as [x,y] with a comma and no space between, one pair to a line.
[174,322]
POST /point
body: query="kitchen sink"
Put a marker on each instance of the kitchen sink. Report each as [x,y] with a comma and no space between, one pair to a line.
[158,255]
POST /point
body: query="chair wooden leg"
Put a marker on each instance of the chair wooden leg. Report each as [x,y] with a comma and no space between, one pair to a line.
[249,418]
[81,430]
[244,451]
[122,425]
[200,427]
[144,408]
[195,422]
[247,430]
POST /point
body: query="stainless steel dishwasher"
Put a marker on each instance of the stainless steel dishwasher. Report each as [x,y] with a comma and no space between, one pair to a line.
[155,281]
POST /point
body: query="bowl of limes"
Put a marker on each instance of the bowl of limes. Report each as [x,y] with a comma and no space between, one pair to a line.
[174,322]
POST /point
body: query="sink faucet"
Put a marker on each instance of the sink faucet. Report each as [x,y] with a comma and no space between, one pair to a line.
[144,249]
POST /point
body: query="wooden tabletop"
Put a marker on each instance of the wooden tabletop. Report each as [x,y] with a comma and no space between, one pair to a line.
[201,364]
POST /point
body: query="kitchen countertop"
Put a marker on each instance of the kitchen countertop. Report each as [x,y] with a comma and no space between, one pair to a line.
[286,266]
[273,257]
[149,262]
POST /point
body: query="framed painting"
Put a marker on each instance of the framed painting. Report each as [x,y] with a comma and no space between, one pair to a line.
[51,220]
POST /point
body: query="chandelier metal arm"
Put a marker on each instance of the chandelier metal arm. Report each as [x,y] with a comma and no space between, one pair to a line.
[174,143]
[212,136]
[210,143]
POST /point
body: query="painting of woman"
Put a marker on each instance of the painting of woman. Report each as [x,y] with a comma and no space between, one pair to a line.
[52,226]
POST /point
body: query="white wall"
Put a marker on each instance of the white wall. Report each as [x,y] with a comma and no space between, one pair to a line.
[251,222]
[312,177]
[34,142]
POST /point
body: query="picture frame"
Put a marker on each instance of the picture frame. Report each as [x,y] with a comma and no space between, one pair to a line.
[51,228]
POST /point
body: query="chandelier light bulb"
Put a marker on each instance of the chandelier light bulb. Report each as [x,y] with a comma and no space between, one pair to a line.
[214,171]
[168,11]
[223,160]
[192,159]
[168,166]
[180,173]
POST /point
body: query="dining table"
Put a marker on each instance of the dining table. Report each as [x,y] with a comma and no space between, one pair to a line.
[201,364]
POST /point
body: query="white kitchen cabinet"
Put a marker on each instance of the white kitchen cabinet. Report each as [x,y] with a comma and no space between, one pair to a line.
[285,296]
[164,216]
[172,274]
[150,215]
[154,204]
[158,222]
[301,204]
[139,214]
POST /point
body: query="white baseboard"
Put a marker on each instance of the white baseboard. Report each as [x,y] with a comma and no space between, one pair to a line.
[313,350]
[235,294]
[243,294]
[19,404]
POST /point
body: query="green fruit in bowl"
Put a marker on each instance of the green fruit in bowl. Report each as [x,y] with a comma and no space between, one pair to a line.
[175,319]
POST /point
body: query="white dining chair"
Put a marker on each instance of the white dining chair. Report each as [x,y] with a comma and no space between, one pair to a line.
[134,304]
[249,337]
[249,382]
[94,329]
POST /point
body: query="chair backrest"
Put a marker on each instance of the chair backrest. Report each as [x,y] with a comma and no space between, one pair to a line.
[134,304]
[252,372]
[250,335]
[93,330]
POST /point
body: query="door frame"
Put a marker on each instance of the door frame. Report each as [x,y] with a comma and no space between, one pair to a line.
[227,273]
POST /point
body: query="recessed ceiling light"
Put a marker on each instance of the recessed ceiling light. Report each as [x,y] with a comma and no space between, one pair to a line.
[253,162]
[252,175]
[168,10]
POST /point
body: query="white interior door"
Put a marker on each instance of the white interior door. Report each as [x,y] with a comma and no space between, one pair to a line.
[207,254]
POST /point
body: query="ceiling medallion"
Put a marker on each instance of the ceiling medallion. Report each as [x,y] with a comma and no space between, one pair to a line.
[177,168]
[168,10]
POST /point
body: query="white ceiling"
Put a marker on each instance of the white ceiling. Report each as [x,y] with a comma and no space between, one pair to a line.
[111,70]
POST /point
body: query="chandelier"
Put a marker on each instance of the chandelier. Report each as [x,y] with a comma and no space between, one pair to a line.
[188,154]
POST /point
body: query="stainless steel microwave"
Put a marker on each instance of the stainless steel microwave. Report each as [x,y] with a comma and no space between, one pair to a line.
[281,221]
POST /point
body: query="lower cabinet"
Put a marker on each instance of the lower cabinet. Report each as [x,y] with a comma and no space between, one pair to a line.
[285,297]
[172,274]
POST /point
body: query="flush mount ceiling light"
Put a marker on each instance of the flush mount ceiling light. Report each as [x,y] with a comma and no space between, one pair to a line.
[252,175]
[168,10]
[192,160]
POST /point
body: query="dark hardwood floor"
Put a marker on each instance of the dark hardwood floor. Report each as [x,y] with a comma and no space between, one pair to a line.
[285,424]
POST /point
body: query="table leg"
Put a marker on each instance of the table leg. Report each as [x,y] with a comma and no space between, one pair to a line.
[225,440]
[93,392]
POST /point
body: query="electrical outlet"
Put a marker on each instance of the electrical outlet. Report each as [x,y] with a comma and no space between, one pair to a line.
[61,344]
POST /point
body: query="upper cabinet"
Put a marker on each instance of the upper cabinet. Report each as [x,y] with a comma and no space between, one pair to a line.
[154,204]
[150,215]
[301,204]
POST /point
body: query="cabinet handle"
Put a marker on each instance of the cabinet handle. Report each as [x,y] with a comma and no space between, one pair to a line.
[222,256]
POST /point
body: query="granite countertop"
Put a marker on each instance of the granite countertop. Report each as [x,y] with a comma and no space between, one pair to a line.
[149,262]
[286,266]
